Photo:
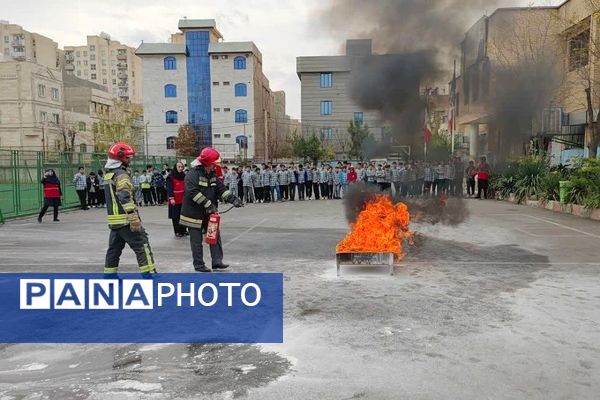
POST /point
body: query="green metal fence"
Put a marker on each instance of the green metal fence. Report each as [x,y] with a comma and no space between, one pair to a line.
[21,172]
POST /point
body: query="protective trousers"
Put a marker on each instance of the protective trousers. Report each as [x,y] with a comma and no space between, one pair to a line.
[138,241]
[216,251]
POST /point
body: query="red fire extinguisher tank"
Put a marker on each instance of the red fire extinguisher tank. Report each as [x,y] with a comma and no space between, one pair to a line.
[212,230]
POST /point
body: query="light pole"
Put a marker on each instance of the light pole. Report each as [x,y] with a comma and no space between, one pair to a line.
[146,140]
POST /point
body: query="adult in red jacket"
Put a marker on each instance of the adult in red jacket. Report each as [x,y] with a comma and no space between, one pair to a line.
[352,176]
[52,194]
[483,178]
[175,191]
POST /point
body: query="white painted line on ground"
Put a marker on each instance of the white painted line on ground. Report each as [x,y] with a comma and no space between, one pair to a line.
[563,226]
[545,236]
[243,233]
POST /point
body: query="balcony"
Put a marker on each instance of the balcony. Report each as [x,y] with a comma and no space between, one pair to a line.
[122,65]
[69,67]
[18,43]
[123,84]
[121,55]
[69,57]
[122,75]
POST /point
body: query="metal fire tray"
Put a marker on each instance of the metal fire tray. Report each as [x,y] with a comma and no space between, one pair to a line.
[365,259]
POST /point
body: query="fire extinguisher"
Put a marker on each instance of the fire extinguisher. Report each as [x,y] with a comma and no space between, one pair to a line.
[212,230]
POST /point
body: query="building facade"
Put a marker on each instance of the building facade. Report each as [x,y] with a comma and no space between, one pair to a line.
[109,63]
[216,87]
[31,105]
[567,35]
[326,105]
[20,45]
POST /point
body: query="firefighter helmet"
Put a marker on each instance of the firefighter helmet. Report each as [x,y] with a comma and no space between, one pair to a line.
[121,151]
[209,156]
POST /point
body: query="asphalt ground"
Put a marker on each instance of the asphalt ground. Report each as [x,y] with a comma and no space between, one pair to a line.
[504,306]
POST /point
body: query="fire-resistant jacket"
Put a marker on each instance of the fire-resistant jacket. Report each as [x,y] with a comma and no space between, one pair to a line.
[118,192]
[202,189]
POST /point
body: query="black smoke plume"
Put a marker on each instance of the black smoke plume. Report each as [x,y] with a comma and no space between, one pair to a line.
[443,210]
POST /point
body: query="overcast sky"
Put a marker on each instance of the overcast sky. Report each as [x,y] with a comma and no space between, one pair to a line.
[282,29]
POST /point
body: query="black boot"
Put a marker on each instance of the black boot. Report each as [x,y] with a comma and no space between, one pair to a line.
[39,219]
[202,269]
[220,266]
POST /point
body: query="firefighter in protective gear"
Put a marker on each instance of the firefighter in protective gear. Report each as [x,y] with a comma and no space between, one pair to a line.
[123,218]
[203,189]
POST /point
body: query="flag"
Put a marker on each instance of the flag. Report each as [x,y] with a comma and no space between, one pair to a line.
[452,96]
[426,128]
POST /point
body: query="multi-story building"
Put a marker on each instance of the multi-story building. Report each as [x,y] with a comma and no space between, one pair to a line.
[216,87]
[108,63]
[567,36]
[20,45]
[85,103]
[326,105]
[31,105]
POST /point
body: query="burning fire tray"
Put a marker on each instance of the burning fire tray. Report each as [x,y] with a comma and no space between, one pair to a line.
[365,259]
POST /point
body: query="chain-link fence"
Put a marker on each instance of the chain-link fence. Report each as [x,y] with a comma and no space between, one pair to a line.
[21,172]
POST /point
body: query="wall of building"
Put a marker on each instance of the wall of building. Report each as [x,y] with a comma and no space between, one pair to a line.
[156,105]
[32,47]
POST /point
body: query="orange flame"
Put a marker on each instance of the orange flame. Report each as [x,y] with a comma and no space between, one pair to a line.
[380,228]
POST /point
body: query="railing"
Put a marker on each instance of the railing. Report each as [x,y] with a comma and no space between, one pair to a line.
[21,172]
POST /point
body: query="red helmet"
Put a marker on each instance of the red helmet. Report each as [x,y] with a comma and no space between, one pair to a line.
[209,156]
[121,151]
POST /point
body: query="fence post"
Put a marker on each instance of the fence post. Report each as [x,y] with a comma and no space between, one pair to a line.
[16,185]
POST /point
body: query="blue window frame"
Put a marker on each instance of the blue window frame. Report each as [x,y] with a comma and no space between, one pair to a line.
[170,90]
[241,90]
[171,117]
[170,63]
[239,62]
[326,107]
[326,133]
[171,143]
[358,117]
[326,79]
[241,116]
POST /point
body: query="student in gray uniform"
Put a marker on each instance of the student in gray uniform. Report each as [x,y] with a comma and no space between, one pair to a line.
[316,182]
[275,193]
[396,179]
[233,182]
[370,176]
[387,181]
[403,180]
[293,180]
[330,182]
[309,181]
[380,177]
[284,181]
[258,185]
[323,179]
[337,186]
[266,182]
[247,185]
[412,180]
[301,182]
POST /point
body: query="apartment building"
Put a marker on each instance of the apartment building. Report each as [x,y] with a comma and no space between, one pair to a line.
[108,63]
[567,35]
[31,105]
[20,45]
[217,87]
[326,105]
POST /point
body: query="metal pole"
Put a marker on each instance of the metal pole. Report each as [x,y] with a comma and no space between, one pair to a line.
[146,140]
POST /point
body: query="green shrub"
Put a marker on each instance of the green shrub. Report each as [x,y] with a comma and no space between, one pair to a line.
[586,184]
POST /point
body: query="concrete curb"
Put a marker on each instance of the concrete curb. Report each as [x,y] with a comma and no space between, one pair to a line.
[573,209]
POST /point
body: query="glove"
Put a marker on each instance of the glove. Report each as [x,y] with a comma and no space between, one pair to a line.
[172,201]
[135,224]
[237,203]
[211,209]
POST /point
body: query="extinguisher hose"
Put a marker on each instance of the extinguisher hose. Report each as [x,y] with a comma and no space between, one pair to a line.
[226,211]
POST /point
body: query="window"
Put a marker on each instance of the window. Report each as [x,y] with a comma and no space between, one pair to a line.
[239,63]
[579,50]
[103,72]
[83,148]
[215,57]
[41,91]
[171,117]
[133,74]
[78,72]
[326,79]
[92,48]
[170,90]
[55,118]
[226,83]
[114,81]
[93,76]
[55,94]
[85,53]
[326,107]
[358,117]
[241,116]
[6,39]
[227,135]
[92,57]
[170,63]
[82,126]
[326,133]
[113,72]
[104,82]
[225,57]
[93,67]
[216,109]
[226,109]
[241,90]
[78,62]
[217,135]
[171,143]
[215,83]
[85,62]
[43,116]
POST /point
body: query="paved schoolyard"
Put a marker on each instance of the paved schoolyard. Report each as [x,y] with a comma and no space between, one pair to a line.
[505,306]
